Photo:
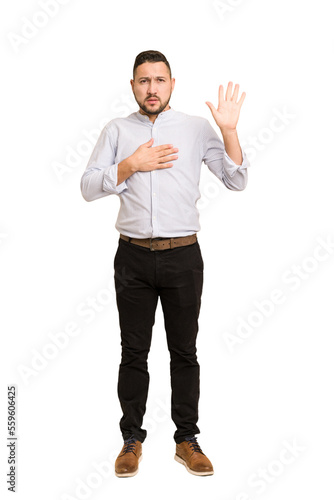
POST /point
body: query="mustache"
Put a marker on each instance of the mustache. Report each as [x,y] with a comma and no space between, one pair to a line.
[152,97]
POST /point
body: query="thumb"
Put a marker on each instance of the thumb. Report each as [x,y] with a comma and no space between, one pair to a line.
[212,108]
[149,143]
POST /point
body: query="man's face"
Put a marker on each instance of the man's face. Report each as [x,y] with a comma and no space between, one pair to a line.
[152,87]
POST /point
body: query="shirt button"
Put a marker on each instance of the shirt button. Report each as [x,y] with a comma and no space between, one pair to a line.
[154,217]
[153,194]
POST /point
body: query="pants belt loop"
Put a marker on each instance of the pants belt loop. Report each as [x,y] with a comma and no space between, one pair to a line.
[171,243]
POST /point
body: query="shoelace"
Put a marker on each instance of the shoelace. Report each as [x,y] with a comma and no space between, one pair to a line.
[129,445]
[194,445]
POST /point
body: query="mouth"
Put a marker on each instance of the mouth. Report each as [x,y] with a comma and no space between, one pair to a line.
[152,101]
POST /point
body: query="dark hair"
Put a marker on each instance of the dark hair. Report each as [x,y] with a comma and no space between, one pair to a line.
[151,56]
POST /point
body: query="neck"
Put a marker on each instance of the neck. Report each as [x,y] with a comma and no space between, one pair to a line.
[152,118]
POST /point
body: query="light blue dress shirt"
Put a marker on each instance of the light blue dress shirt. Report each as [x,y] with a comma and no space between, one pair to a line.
[159,203]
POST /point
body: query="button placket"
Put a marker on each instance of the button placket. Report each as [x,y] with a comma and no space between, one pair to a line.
[154,186]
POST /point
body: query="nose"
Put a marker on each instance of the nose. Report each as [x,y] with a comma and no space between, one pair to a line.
[151,89]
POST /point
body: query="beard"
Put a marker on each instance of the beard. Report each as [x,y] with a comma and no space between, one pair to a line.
[149,110]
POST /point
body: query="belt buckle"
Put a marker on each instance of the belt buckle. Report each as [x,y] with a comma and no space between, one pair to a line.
[151,248]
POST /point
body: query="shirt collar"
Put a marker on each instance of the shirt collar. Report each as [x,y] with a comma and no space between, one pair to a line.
[163,116]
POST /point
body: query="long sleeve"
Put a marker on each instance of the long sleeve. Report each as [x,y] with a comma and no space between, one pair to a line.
[220,164]
[100,176]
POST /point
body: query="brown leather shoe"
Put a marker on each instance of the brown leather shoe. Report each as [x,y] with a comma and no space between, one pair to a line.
[192,457]
[126,464]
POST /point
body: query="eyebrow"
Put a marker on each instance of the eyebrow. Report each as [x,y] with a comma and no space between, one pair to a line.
[149,78]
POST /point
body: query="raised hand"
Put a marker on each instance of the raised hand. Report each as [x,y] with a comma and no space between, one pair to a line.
[227,114]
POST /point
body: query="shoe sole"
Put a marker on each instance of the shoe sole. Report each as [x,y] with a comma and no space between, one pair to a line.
[130,474]
[183,462]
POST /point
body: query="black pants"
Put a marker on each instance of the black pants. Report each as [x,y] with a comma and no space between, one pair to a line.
[141,276]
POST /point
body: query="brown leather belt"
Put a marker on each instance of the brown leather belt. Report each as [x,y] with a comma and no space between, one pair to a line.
[161,243]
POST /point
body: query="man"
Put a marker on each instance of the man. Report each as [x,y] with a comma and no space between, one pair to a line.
[152,160]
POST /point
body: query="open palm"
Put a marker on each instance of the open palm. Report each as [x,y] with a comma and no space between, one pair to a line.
[227,114]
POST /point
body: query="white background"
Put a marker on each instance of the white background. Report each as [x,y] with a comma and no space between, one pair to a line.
[272,386]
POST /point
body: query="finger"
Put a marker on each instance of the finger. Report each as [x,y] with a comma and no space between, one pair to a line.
[166,152]
[168,165]
[165,159]
[235,93]
[242,98]
[220,95]
[163,147]
[229,91]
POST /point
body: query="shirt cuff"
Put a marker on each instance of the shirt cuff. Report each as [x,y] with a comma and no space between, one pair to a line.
[231,167]
[110,181]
